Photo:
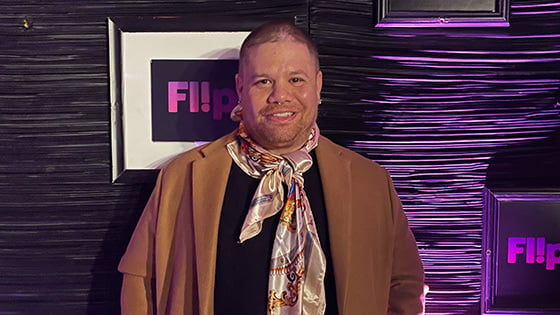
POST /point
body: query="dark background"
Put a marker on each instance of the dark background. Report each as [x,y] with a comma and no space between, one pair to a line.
[447,110]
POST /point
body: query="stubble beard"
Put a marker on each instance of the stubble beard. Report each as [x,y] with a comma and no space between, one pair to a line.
[282,137]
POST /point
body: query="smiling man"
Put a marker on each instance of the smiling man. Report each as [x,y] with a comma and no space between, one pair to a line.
[273,218]
[279,86]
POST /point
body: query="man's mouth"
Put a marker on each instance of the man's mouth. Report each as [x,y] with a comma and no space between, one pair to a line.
[283,114]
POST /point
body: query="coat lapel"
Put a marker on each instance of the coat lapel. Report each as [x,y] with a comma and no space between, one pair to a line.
[337,189]
[210,175]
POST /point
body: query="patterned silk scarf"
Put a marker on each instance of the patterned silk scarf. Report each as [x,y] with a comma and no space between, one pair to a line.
[298,264]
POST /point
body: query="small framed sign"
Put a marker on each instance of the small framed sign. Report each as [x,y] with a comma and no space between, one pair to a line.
[441,13]
[172,86]
[521,252]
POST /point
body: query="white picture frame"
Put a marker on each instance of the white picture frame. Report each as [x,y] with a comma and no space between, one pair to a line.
[133,44]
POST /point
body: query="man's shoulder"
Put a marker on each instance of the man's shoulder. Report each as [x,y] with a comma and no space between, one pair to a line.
[347,154]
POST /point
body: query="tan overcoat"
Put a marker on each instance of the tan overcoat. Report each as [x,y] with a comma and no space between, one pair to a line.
[169,264]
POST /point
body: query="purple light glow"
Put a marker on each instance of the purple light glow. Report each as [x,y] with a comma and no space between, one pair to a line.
[534,5]
[535,81]
[437,23]
[485,35]
[491,52]
[467,60]
[426,65]
[536,12]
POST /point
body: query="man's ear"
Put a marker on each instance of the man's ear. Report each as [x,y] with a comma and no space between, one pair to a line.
[319,82]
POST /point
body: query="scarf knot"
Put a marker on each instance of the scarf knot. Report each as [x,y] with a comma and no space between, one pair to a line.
[297,264]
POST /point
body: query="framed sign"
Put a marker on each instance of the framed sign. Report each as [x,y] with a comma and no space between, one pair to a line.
[521,246]
[171,87]
[441,13]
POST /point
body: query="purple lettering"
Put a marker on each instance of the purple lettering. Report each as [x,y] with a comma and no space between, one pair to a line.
[541,244]
[552,256]
[530,255]
[201,98]
[538,251]
[205,96]
[514,248]
[223,101]
[173,95]
[193,96]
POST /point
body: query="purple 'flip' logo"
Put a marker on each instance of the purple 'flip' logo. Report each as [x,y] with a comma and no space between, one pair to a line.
[192,99]
[534,250]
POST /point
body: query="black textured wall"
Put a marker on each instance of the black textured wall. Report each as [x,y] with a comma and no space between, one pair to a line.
[445,110]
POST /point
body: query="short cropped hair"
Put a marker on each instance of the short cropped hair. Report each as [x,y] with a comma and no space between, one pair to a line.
[275,31]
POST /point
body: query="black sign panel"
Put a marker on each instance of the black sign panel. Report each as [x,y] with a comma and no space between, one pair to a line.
[192,99]
[522,240]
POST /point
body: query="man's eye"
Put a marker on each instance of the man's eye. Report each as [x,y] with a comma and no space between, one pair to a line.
[296,80]
[263,82]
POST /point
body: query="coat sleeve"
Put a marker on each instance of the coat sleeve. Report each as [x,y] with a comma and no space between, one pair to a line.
[137,264]
[407,280]
[136,296]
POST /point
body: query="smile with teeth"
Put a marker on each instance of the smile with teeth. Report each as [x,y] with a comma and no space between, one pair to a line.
[283,114]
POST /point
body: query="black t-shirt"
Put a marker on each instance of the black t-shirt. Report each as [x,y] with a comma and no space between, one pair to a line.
[242,269]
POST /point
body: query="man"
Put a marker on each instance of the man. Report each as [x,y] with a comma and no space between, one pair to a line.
[273,218]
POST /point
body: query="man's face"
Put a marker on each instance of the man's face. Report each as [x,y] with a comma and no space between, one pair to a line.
[279,88]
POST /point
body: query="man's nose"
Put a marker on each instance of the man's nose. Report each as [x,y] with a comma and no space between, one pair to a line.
[280,93]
